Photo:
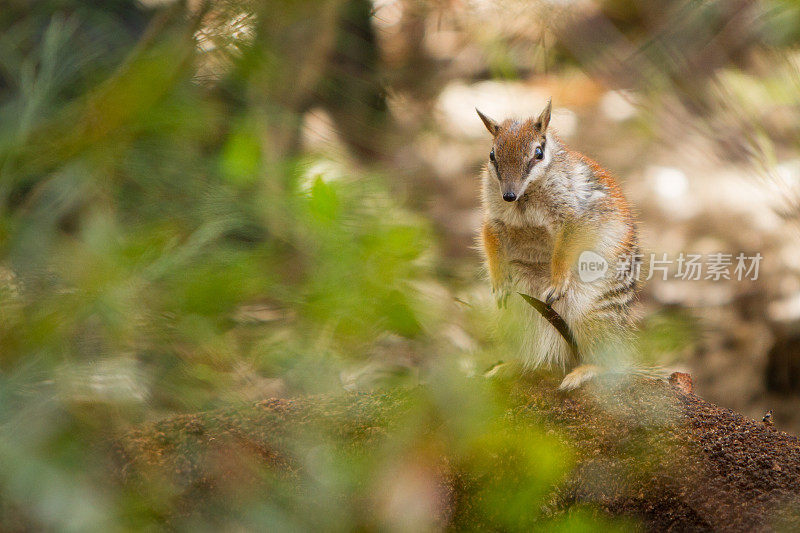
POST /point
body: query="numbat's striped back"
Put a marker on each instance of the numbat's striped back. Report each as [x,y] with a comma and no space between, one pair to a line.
[617,301]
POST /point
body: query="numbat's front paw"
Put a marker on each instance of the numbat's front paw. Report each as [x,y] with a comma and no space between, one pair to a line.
[501,297]
[502,290]
[578,377]
[555,292]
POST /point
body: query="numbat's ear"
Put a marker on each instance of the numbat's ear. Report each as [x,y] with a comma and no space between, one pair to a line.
[544,118]
[490,124]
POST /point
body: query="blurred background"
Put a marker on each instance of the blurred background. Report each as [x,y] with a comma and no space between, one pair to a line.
[206,204]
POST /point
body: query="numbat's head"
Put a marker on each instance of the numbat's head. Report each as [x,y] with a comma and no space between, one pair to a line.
[519,152]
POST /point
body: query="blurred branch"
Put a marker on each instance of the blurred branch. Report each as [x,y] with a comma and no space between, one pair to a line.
[646,450]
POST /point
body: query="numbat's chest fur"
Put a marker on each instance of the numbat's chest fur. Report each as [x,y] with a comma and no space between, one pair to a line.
[544,206]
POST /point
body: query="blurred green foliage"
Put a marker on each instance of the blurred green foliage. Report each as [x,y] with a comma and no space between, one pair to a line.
[667,335]
[168,245]
[167,248]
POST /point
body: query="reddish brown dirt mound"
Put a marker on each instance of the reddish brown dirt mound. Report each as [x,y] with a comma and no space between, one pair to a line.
[647,450]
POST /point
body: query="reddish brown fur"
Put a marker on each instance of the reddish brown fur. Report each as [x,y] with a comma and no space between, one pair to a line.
[618,200]
[491,246]
[512,146]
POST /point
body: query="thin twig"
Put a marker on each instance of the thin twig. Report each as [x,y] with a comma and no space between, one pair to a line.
[555,319]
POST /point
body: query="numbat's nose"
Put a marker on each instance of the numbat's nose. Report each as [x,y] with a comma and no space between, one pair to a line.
[509,196]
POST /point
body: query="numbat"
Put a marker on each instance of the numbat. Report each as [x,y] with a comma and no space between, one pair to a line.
[557,226]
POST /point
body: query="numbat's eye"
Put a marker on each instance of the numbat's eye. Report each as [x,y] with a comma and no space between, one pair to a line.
[538,153]
[491,156]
